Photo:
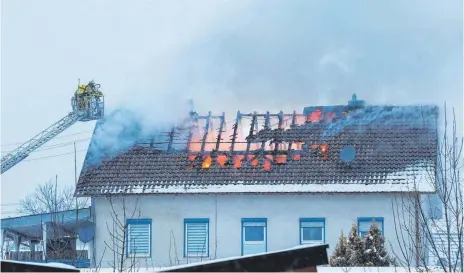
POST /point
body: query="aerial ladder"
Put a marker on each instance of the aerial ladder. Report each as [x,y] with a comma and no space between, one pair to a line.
[87,104]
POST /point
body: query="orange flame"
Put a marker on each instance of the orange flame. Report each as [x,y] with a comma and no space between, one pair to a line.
[314,116]
[324,150]
[206,163]
[242,130]
[267,166]
[281,159]
[254,162]
[238,161]
[221,159]
[241,143]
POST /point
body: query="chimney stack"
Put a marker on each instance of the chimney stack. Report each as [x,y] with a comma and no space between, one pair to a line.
[354,103]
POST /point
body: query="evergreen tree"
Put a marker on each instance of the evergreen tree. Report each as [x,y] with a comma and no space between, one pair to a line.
[355,251]
[355,244]
[341,253]
[374,252]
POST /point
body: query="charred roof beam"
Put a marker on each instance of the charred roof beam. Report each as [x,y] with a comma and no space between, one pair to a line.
[250,136]
[292,126]
[278,141]
[193,122]
[171,139]
[221,128]
[234,134]
[205,135]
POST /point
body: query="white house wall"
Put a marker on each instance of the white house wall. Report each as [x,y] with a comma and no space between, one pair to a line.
[225,213]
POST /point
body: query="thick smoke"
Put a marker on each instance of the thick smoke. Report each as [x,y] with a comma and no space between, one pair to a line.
[274,55]
[411,116]
[115,133]
[118,132]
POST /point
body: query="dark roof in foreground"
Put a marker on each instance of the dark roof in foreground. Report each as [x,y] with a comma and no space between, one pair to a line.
[298,259]
[367,149]
[20,266]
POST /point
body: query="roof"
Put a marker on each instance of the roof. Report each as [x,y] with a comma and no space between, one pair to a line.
[30,226]
[20,266]
[300,258]
[324,149]
[38,219]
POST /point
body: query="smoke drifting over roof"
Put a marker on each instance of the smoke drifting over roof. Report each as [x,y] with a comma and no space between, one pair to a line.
[272,56]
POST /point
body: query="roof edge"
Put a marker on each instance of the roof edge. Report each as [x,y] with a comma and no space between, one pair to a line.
[240,188]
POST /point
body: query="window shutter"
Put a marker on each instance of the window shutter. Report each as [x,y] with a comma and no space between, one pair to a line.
[364,224]
[319,224]
[197,238]
[139,239]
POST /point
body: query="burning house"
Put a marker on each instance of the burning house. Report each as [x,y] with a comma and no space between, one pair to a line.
[212,188]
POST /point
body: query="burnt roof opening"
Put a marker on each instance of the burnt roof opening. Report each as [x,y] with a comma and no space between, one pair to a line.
[353,143]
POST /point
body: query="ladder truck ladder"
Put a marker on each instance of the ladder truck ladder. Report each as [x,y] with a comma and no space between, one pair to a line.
[24,150]
[87,104]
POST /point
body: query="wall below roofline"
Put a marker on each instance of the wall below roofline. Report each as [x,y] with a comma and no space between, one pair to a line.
[225,213]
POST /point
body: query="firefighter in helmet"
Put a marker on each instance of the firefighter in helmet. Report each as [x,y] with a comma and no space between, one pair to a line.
[79,95]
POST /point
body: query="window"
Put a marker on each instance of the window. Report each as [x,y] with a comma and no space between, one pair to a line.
[364,223]
[312,231]
[196,237]
[254,235]
[139,237]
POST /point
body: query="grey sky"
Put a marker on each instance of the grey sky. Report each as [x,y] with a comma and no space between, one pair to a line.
[226,55]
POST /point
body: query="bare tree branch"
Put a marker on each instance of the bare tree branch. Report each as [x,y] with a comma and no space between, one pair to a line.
[43,200]
[441,237]
[124,259]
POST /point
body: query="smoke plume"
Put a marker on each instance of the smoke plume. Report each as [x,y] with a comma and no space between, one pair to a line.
[275,55]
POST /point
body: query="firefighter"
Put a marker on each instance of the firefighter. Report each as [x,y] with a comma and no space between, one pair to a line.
[80,93]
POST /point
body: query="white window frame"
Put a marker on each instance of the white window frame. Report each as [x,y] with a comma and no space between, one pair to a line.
[259,222]
[312,222]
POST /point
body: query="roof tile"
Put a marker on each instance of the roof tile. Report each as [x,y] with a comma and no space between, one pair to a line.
[387,153]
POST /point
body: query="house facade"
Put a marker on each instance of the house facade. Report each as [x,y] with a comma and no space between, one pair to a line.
[283,181]
[191,228]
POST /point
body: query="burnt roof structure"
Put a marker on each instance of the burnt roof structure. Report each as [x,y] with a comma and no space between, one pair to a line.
[344,148]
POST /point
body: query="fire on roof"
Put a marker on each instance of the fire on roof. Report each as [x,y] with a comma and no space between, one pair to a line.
[352,144]
[265,139]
